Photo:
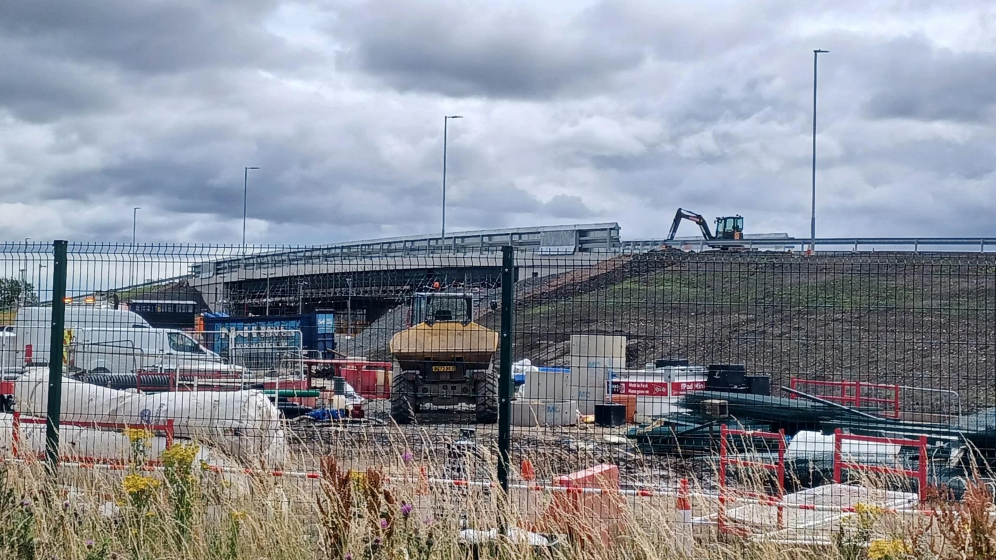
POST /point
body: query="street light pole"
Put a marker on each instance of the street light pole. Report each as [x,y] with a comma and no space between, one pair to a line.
[23,292]
[134,223]
[24,280]
[245,205]
[41,279]
[349,307]
[300,297]
[812,233]
[446,120]
[134,231]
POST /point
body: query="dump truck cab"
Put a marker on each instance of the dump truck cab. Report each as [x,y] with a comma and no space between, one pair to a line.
[435,307]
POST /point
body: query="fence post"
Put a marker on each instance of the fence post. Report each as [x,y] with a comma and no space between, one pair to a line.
[838,448]
[505,366]
[55,356]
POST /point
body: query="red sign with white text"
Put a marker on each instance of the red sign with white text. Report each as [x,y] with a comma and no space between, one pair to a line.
[656,388]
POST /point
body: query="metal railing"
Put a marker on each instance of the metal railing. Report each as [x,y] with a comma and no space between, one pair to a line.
[855,244]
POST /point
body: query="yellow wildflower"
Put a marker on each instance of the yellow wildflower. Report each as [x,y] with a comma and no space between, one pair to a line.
[239,515]
[137,484]
[139,435]
[887,549]
[862,508]
[180,455]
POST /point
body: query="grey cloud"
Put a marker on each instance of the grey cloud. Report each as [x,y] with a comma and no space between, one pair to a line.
[630,109]
[567,206]
[688,31]
[478,49]
[917,80]
[41,89]
[149,36]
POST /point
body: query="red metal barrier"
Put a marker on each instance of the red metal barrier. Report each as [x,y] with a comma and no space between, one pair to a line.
[725,461]
[166,428]
[372,380]
[920,474]
[850,393]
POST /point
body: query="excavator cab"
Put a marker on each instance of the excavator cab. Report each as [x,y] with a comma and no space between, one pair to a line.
[730,227]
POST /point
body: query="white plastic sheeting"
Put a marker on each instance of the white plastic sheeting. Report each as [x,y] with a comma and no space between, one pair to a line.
[816,445]
[241,424]
[78,443]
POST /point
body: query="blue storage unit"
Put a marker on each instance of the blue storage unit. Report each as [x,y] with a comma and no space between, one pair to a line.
[317,330]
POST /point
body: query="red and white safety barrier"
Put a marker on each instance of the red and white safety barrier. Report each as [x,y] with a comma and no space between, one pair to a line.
[682,493]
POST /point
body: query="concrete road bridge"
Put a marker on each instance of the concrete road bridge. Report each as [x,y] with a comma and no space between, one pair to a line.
[370,276]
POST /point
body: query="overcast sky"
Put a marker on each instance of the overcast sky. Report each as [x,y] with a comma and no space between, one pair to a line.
[575,112]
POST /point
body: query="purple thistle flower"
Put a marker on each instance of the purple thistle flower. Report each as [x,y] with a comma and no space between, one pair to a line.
[89,543]
[383,524]
[406,509]
[407,457]
[26,502]
[349,556]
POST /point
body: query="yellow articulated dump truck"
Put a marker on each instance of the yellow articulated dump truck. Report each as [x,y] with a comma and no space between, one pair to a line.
[445,359]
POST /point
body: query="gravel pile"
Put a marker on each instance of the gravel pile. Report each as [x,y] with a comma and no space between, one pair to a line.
[373,342]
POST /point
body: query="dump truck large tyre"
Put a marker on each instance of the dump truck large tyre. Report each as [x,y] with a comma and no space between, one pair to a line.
[487,400]
[402,399]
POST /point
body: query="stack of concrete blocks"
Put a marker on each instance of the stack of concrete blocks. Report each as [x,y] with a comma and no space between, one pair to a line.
[592,358]
[553,398]
[546,400]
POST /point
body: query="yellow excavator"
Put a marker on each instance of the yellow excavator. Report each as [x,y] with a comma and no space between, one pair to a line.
[445,359]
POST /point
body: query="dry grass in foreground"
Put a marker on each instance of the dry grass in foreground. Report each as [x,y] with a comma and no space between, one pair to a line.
[186,512]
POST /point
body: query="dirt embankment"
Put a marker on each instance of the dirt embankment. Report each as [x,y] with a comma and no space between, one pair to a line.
[925,320]
[911,319]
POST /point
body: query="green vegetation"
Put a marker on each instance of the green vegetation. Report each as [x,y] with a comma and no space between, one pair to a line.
[14,293]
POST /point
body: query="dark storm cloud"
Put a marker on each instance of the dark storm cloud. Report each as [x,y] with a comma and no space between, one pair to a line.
[478,49]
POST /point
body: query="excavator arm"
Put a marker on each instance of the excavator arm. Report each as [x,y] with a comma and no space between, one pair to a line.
[692,217]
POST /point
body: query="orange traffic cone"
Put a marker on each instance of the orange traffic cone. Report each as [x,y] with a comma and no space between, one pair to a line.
[528,473]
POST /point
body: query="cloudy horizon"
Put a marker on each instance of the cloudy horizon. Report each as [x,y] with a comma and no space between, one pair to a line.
[574,112]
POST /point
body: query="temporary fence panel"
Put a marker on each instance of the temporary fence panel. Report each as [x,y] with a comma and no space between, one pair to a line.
[608,356]
[725,461]
[842,462]
[850,393]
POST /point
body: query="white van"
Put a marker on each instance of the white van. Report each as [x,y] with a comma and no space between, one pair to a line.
[101,340]
[77,316]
